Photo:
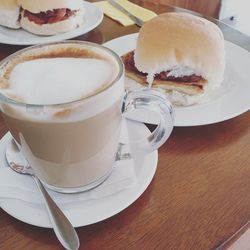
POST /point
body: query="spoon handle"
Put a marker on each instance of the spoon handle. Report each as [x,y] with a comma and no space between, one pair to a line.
[63,229]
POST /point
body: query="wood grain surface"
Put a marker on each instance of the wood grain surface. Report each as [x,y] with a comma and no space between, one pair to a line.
[205,7]
[198,198]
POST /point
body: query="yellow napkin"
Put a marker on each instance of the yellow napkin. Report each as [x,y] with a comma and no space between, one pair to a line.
[142,13]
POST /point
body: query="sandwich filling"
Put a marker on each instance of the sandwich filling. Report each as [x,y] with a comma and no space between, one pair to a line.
[192,80]
[50,16]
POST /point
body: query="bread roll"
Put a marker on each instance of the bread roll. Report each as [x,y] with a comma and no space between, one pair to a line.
[9,14]
[188,51]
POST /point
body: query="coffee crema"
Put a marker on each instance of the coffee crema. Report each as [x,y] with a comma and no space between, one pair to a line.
[59,76]
[58,80]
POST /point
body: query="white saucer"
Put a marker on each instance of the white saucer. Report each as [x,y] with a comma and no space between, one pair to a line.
[92,18]
[90,211]
[230,100]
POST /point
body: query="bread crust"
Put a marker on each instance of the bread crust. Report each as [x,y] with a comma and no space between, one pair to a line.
[8,4]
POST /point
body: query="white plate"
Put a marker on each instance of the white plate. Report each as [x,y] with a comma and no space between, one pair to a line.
[91,211]
[92,18]
[231,99]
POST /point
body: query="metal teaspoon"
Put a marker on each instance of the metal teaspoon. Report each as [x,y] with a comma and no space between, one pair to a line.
[62,227]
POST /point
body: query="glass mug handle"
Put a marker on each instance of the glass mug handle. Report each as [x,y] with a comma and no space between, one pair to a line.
[153,100]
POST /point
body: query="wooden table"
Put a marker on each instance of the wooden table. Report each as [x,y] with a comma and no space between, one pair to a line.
[198,198]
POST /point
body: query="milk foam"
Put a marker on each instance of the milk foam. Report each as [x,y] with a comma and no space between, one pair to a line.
[59,80]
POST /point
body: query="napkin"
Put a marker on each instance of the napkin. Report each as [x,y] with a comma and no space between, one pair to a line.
[22,187]
[142,13]
[242,243]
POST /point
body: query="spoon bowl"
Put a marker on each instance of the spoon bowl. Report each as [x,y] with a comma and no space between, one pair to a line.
[62,227]
[16,160]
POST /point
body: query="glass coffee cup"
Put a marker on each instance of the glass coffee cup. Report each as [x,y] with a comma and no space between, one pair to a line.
[70,133]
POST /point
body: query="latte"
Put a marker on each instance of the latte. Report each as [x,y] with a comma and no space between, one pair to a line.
[64,110]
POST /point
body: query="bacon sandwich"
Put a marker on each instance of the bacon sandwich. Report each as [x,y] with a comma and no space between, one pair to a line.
[51,17]
[181,54]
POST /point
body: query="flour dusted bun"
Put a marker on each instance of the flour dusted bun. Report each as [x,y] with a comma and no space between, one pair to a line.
[9,14]
[36,6]
[186,40]
[51,17]
[180,53]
